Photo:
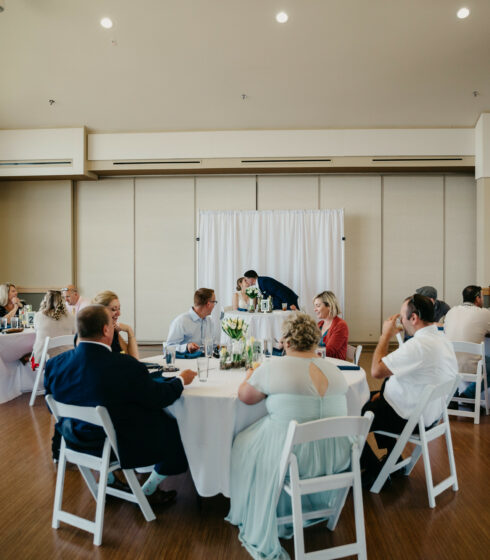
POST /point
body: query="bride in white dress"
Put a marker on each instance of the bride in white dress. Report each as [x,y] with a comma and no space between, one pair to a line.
[240,299]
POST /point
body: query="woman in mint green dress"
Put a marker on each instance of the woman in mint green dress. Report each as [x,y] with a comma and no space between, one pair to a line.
[302,387]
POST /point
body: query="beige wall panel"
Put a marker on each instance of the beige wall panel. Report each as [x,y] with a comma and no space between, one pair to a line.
[293,192]
[225,193]
[164,247]
[37,220]
[460,236]
[483,232]
[413,237]
[360,196]
[105,240]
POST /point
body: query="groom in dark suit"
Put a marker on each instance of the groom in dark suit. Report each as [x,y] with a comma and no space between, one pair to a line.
[271,287]
[92,375]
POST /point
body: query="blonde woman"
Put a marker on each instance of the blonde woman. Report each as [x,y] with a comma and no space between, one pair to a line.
[52,320]
[111,301]
[335,332]
[9,302]
[240,298]
[302,387]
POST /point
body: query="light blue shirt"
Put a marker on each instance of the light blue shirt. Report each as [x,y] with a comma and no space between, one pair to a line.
[189,327]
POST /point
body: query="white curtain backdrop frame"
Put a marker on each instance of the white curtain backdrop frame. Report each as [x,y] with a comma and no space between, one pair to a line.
[303,249]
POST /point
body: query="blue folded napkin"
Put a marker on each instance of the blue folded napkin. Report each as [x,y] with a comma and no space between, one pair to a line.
[189,355]
[348,367]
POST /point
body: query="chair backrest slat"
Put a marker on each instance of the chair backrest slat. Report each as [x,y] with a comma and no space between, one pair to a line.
[63,340]
[62,410]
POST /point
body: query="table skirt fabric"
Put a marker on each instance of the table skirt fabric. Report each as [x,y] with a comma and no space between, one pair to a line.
[15,378]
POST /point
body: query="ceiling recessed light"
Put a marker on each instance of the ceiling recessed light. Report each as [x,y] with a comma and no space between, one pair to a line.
[463,13]
[106,22]
[282,17]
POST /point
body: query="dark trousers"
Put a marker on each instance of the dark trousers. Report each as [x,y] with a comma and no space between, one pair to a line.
[385,418]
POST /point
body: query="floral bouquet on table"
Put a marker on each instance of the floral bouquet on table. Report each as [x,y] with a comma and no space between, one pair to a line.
[236,328]
[252,292]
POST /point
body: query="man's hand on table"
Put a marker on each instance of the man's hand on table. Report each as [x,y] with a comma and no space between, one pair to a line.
[192,347]
[187,376]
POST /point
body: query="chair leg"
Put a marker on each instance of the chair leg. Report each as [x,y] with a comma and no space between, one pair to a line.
[299,544]
[139,494]
[99,510]
[60,481]
[359,517]
[477,398]
[35,386]
[428,470]
[388,467]
[450,456]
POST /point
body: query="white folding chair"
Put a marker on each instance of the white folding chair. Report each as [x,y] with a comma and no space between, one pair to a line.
[100,417]
[354,353]
[357,427]
[49,343]
[442,392]
[480,375]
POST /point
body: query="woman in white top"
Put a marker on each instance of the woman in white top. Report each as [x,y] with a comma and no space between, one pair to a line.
[52,320]
[240,299]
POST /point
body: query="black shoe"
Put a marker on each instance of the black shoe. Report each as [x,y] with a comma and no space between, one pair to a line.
[162,497]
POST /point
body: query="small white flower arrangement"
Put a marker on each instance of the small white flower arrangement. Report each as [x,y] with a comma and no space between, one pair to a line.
[235,327]
[252,292]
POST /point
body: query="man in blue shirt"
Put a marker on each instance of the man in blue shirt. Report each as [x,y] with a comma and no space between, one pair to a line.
[190,330]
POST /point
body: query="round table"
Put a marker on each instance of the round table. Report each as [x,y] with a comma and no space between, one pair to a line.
[15,377]
[260,325]
[209,415]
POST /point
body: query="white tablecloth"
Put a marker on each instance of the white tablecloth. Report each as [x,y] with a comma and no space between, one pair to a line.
[210,415]
[15,377]
[261,325]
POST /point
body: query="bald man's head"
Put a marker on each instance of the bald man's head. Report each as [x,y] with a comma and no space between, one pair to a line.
[71,294]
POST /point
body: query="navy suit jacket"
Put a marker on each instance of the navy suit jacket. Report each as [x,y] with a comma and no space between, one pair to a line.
[91,375]
[279,292]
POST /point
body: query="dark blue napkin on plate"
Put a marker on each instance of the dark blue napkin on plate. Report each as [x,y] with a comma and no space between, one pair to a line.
[189,355]
[349,367]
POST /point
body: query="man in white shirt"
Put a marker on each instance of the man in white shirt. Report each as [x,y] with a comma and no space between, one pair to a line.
[190,330]
[425,359]
[73,300]
[469,322]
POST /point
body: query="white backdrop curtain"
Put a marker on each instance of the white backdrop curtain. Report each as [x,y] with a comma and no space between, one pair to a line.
[301,248]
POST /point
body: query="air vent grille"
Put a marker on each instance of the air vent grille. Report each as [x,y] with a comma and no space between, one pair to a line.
[165,162]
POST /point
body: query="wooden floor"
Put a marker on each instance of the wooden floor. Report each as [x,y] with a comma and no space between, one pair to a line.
[399,522]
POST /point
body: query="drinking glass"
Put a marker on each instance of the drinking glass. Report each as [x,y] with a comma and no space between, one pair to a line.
[284,306]
[4,322]
[208,348]
[202,369]
[171,356]
[164,352]
[14,322]
[267,351]
[321,352]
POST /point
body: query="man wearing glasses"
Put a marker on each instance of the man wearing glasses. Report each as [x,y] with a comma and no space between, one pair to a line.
[425,359]
[469,322]
[189,331]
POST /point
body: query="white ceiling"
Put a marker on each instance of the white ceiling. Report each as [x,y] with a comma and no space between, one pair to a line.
[184,64]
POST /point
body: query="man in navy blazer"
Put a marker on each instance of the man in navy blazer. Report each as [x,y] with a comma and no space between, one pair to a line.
[271,287]
[92,375]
